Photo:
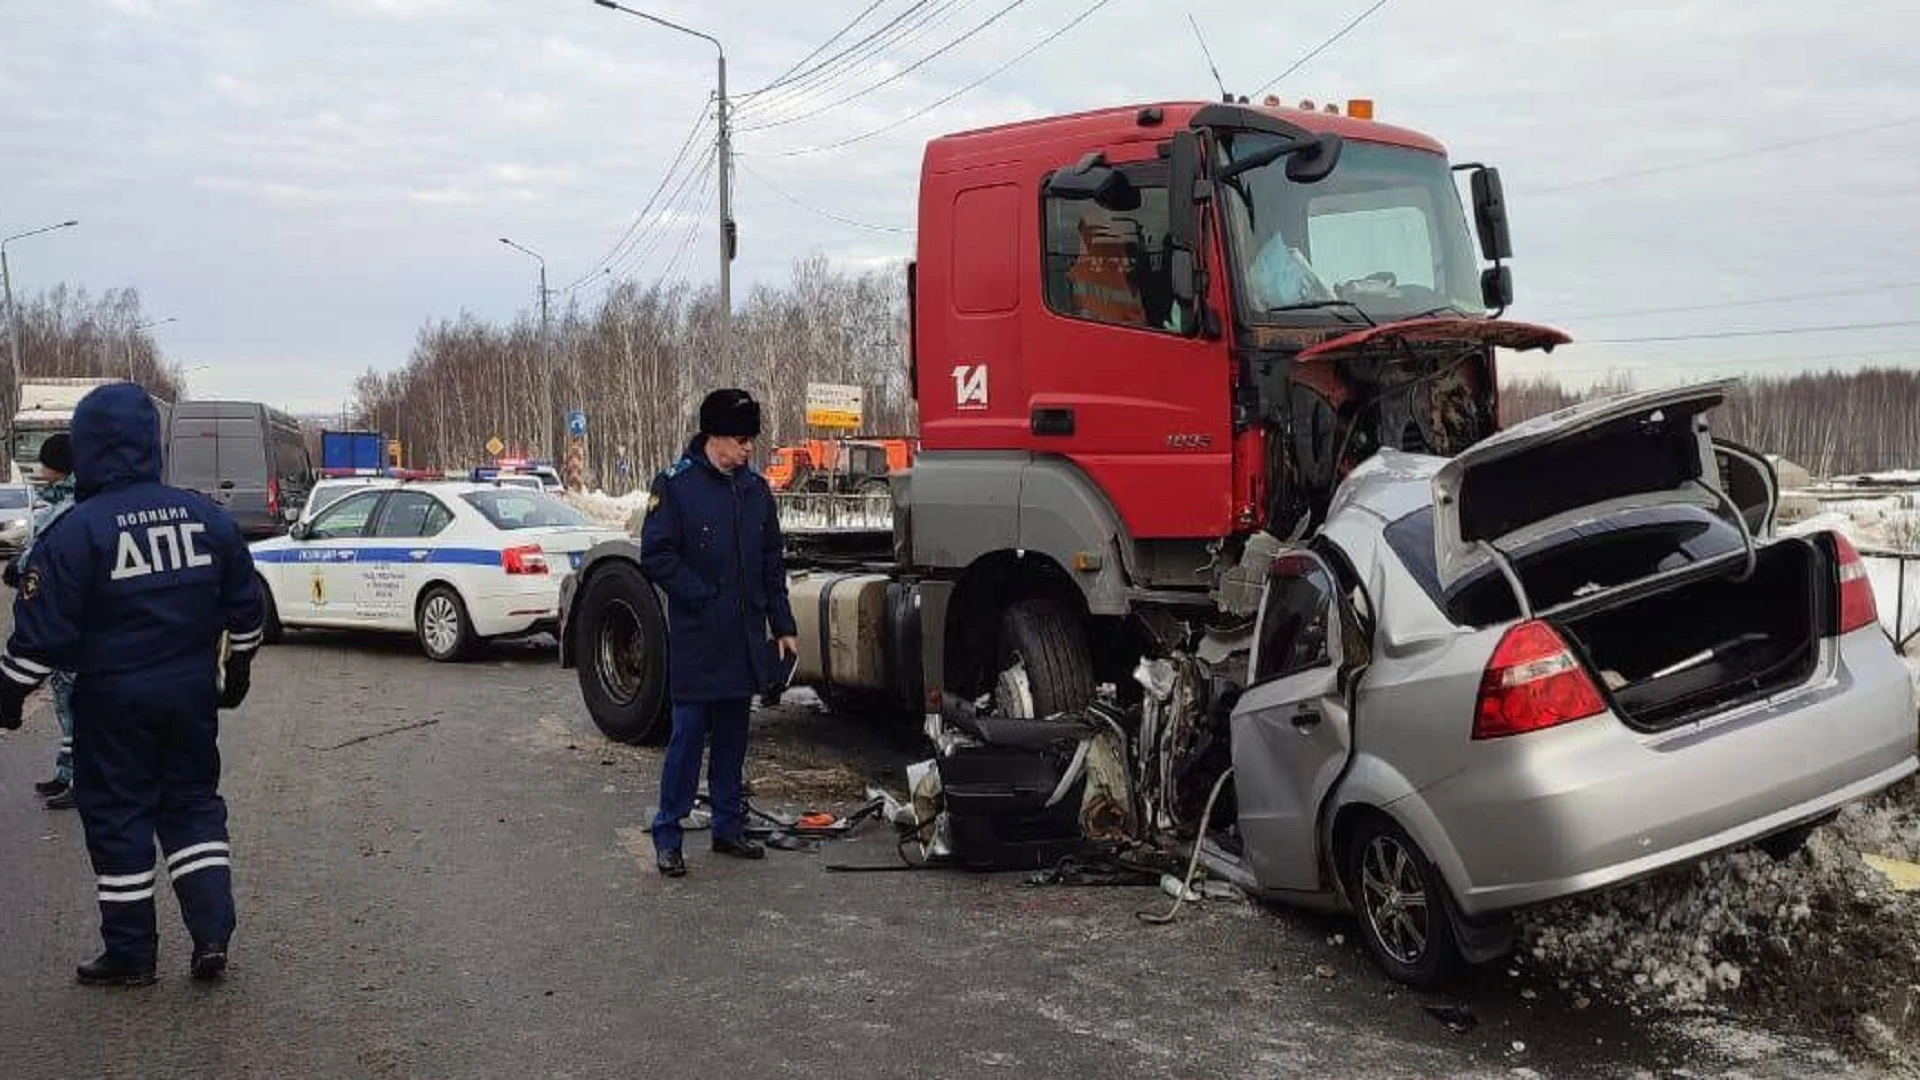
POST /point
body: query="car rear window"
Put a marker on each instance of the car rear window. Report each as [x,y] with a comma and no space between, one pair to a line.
[1568,564]
[523,508]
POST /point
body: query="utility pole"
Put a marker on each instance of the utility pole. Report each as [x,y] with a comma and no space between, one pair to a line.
[130,339]
[13,313]
[729,234]
[546,351]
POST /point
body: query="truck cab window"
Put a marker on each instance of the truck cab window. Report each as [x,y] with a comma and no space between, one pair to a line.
[1108,264]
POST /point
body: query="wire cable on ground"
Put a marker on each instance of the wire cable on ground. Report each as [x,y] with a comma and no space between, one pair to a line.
[828,214]
[898,75]
[1322,47]
[974,85]
[1193,863]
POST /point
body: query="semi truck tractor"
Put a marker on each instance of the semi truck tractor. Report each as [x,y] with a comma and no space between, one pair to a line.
[1146,342]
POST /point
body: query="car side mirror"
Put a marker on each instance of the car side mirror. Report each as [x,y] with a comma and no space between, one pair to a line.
[301,530]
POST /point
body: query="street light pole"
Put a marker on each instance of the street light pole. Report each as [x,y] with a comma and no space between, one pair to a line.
[130,336]
[728,233]
[6,285]
[546,352]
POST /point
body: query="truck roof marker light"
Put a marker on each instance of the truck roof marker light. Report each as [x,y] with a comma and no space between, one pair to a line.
[1272,102]
[1306,105]
[1331,108]
[1360,108]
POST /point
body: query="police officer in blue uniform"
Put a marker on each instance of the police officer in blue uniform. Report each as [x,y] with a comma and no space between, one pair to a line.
[132,591]
[712,542]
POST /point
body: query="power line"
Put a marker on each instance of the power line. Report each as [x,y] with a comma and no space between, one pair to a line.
[676,204]
[896,76]
[1323,46]
[828,214]
[1695,163]
[686,244]
[805,92]
[1792,297]
[1546,366]
[606,260]
[790,77]
[974,85]
[822,47]
[1783,331]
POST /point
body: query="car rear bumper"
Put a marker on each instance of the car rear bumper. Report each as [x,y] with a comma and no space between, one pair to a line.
[1594,803]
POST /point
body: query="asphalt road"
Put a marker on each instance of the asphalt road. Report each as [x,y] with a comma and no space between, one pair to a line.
[443,871]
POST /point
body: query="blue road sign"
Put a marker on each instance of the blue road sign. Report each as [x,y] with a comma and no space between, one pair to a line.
[577,423]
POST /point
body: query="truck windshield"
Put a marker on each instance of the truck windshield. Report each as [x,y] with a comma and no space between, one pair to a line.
[1384,233]
[27,444]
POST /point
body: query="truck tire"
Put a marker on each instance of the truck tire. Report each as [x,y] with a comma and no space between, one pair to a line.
[621,655]
[1044,658]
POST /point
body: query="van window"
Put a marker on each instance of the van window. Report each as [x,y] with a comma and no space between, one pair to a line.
[191,461]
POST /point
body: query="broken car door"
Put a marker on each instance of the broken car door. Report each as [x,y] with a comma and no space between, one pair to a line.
[1291,729]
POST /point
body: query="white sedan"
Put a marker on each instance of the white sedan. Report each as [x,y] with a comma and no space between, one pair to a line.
[454,563]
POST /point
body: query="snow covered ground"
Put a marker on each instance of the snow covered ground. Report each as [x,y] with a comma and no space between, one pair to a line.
[1820,940]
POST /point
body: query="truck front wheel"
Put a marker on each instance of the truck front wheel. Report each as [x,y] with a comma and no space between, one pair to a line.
[1046,667]
[621,655]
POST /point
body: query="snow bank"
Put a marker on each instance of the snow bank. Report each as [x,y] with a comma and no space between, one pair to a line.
[622,510]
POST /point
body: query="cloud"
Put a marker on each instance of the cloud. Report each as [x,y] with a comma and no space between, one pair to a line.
[303,183]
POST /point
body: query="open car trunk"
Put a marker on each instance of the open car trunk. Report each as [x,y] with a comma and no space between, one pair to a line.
[1709,645]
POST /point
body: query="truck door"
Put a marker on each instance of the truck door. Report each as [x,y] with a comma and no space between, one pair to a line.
[1114,383]
[1291,732]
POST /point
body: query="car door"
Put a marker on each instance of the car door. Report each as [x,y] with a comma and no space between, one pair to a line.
[1291,732]
[394,557]
[320,584]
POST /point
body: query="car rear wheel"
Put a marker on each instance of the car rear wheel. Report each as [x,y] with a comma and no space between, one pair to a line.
[1402,904]
[621,655]
[445,631]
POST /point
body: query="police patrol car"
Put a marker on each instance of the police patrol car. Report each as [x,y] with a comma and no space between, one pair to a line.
[452,562]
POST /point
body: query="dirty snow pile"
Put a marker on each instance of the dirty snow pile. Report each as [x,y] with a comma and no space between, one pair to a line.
[1776,927]
[622,510]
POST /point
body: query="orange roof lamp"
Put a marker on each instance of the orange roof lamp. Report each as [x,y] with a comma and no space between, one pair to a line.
[1357,108]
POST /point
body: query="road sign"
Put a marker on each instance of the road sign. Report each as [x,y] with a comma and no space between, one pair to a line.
[494,446]
[832,405]
[577,423]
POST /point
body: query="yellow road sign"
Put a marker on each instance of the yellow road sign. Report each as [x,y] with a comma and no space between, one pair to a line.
[494,446]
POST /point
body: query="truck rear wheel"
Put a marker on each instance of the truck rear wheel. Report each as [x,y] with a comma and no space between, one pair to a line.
[621,655]
[1046,667]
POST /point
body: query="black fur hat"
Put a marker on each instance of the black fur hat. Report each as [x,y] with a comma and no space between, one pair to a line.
[733,413]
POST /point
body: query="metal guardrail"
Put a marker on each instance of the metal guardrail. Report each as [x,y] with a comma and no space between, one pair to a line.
[1900,635]
[816,512]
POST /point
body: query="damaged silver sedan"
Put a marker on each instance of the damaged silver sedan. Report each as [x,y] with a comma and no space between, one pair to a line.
[1572,656]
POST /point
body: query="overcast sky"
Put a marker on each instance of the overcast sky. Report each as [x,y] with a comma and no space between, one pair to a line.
[303,185]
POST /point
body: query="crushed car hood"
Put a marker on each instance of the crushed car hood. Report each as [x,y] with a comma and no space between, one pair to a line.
[1545,473]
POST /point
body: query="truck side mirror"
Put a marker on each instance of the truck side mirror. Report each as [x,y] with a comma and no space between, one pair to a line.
[1490,215]
[1183,172]
[1496,288]
[1092,178]
[1314,162]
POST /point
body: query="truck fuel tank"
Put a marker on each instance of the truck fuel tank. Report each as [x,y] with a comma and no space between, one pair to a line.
[859,631]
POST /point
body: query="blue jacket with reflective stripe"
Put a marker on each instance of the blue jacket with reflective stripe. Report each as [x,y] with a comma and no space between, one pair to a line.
[712,542]
[137,576]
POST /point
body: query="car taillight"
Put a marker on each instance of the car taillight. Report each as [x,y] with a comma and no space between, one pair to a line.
[1857,608]
[273,497]
[1533,681]
[528,559]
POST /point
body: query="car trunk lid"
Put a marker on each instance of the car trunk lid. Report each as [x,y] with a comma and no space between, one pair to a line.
[1554,471]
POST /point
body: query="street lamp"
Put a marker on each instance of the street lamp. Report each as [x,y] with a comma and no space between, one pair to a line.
[137,327]
[6,287]
[728,233]
[184,372]
[546,352]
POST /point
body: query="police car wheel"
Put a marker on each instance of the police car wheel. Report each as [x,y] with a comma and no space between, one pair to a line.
[271,632]
[445,632]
